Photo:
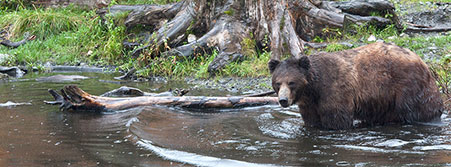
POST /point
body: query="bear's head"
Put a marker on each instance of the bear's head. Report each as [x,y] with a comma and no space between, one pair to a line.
[289,78]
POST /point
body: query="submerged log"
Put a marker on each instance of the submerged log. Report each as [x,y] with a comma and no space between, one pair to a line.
[73,98]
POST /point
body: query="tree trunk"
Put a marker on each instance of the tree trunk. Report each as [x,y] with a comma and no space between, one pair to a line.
[73,98]
[287,25]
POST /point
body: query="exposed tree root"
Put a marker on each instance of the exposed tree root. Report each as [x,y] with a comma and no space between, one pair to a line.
[223,24]
[27,37]
[170,30]
[73,98]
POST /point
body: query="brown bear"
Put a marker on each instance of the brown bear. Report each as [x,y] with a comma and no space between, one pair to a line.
[377,84]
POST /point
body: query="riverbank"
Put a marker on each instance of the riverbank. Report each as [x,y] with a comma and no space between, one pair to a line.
[75,36]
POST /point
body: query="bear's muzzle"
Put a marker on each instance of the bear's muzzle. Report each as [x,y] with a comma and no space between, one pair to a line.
[284,96]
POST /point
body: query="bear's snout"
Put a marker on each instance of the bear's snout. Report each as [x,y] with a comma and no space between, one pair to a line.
[283,102]
[284,96]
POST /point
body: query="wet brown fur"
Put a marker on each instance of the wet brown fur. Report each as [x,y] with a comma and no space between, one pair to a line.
[378,84]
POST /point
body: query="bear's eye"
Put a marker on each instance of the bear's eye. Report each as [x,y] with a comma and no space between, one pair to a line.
[278,84]
[291,83]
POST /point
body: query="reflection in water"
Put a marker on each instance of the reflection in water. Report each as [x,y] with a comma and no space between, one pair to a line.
[271,135]
[40,135]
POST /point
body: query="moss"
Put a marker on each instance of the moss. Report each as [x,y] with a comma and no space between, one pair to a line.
[248,46]
[335,47]
[282,23]
[229,12]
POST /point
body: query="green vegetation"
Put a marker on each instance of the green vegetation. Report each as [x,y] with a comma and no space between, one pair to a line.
[64,36]
[229,12]
[72,35]
[252,66]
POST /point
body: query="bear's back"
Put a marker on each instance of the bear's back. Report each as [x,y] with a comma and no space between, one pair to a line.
[381,83]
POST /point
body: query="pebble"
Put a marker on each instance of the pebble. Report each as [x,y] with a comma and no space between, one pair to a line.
[3,57]
[191,38]
[372,38]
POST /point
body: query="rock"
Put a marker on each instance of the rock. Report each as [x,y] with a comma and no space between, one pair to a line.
[3,58]
[128,76]
[61,78]
[191,38]
[3,76]
[12,71]
[433,48]
[372,38]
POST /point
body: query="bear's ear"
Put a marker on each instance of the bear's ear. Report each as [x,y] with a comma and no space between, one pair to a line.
[304,62]
[272,64]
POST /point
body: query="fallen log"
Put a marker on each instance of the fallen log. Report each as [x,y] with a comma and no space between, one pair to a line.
[11,44]
[74,98]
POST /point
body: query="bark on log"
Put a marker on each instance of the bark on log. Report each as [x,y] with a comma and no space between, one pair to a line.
[73,98]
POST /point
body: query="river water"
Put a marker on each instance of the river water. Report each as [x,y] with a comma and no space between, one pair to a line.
[35,134]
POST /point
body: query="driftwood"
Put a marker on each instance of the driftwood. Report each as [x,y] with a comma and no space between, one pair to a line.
[73,98]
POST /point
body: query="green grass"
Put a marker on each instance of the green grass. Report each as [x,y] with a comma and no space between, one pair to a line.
[40,22]
[252,66]
[64,36]
[419,44]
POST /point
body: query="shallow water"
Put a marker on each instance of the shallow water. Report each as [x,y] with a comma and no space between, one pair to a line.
[41,135]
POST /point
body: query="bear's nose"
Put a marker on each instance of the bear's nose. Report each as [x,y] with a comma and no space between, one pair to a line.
[283,102]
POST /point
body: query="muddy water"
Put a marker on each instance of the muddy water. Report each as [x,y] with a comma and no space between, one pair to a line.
[34,134]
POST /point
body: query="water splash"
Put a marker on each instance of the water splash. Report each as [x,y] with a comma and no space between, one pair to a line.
[12,104]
